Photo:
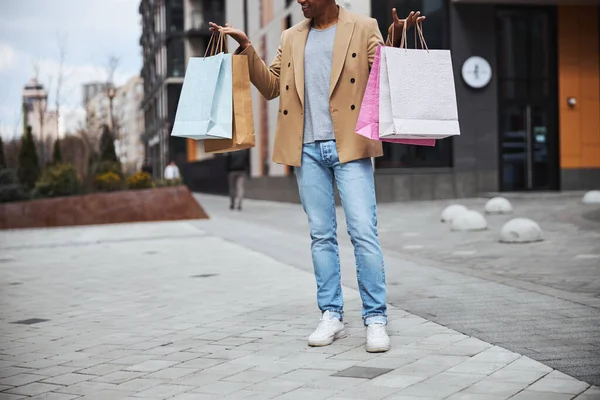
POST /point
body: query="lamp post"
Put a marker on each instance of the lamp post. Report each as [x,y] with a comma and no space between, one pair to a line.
[111,95]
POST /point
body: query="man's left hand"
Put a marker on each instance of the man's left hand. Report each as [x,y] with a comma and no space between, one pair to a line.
[398,24]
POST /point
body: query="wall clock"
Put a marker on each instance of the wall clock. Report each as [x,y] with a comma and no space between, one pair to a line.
[476,72]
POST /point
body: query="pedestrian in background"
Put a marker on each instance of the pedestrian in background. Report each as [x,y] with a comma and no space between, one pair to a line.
[147,168]
[237,168]
[320,73]
[172,172]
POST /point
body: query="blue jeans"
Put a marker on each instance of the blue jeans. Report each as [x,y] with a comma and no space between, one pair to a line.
[355,183]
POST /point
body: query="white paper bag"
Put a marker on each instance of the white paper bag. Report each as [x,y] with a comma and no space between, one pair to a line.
[417,98]
[205,107]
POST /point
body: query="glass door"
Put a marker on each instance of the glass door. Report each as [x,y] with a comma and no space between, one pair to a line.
[527,98]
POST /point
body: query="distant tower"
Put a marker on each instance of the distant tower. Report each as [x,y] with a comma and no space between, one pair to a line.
[35,104]
[43,122]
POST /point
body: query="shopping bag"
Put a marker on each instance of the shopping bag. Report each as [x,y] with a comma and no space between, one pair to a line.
[417,97]
[368,117]
[204,110]
[243,115]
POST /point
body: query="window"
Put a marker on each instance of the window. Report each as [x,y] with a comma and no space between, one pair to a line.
[176,14]
[435,31]
[214,10]
[175,55]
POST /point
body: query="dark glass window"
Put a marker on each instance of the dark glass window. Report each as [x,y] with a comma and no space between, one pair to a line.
[176,14]
[175,55]
[435,30]
[214,10]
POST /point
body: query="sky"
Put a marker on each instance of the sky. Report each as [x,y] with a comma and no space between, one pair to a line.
[92,31]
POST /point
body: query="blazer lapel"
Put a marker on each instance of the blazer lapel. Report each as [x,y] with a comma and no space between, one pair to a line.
[341,43]
[298,57]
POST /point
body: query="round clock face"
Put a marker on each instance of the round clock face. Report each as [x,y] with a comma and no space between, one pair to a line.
[476,72]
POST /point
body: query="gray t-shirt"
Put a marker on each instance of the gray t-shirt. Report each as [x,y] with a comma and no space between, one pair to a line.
[318,54]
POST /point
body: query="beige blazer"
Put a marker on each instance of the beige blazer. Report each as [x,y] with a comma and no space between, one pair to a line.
[356,41]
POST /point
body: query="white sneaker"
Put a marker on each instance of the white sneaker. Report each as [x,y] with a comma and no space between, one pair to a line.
[378,340]
[328,330]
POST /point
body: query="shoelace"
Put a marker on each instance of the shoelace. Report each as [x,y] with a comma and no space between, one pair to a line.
[324,325]
[376,330]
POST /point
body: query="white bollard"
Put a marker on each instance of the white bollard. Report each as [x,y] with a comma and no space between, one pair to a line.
[592,197]
[498,205]
[521,230]
[469,221]
[451,211]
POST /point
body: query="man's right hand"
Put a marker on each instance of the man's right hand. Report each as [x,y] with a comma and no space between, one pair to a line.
[237,35]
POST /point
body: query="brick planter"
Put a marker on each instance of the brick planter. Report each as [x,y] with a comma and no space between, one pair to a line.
[164,204]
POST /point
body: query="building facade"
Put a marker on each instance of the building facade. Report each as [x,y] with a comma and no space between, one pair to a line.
[90,90]
[536,124]
[172,32]
[129,120]
[126,119]
[527,77]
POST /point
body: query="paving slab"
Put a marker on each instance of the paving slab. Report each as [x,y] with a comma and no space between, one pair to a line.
[160,314]
[538,299]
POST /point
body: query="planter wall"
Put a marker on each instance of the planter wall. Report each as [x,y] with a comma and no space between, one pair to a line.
[164,204]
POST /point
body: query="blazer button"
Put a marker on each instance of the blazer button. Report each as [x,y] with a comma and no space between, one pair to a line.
[284,112]
[352,80]
[353,55]
[352,107]
[287,87]
[289,65]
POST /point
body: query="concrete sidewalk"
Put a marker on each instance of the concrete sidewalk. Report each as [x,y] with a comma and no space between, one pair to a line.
[165,310]
[526,298]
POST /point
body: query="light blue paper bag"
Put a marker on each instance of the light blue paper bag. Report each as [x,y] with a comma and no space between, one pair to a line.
[205,108]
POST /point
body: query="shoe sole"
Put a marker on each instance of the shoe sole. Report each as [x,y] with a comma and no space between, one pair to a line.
[340,335]
[378,349]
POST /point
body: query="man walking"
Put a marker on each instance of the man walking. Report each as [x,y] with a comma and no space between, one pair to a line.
[237,168]
[320,73]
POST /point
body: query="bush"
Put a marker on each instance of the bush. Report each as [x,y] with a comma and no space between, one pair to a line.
[104,167]
[167,183]
[141,180]
[10,189]
[8,176]
[58,180]
[108,182]
[107,145]
[29,165]
[2,156]
[57,155]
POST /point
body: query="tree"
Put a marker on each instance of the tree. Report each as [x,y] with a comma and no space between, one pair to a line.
[12,149]
[107,145]
[57,155]
[3,163]
[62,49]
[41,108]
[75,150]
[29,166]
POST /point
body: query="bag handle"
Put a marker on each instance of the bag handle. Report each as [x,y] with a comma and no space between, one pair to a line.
[217,44]
[419,28]
[418,32]
[209,44]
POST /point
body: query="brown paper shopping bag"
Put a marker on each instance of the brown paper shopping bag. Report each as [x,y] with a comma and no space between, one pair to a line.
[243,116]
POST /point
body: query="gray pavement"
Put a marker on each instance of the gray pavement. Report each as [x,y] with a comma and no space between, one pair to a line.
[169,310]
[541,300]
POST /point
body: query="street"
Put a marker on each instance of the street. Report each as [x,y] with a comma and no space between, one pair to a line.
[539,299]
[222,309]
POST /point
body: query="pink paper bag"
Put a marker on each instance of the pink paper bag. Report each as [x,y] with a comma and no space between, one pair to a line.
[368,117]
